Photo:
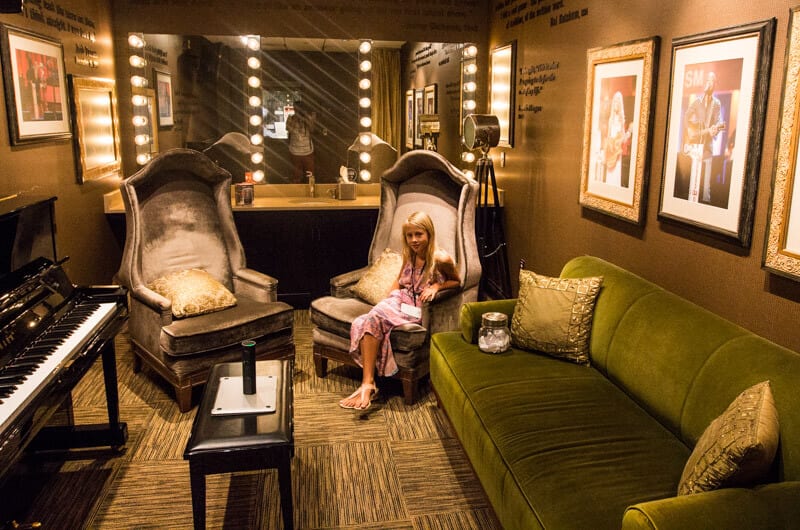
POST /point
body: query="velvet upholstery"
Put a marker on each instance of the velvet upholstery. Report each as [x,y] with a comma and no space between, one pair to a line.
[178,216]
[559,445]
[420,180]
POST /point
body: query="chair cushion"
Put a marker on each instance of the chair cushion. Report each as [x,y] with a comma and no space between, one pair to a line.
[375,284]
[737,448]
[336,315]
[193,292]
[248,319]
[554,315]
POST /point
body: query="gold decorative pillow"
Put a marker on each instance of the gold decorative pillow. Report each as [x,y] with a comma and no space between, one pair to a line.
[738,447]
[375,284]
[554,315]
[193,292]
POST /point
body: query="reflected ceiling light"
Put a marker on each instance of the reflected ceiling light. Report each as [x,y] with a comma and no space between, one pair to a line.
[365,157]
[364,84]
[135,41]
[365,66]
[364,175]
[365,122]
[365,46]
[253,62]
[254,81]
[137,61]
[257,158]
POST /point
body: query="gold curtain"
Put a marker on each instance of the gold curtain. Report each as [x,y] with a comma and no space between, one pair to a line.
[386,110]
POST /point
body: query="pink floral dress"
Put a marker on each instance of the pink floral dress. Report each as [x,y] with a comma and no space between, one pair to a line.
[386,315]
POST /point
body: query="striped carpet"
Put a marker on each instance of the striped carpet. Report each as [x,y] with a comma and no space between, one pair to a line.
[394,467]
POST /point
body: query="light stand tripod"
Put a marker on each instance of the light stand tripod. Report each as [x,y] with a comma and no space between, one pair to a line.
[495,279]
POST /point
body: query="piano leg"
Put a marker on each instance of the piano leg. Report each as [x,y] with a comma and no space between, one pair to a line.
[113,434]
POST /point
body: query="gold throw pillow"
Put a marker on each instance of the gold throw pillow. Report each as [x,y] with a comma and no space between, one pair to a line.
[374,285]
[738,447]
[554,315]
[193,292]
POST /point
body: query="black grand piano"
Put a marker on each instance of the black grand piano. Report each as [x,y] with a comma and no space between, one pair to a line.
[51,333]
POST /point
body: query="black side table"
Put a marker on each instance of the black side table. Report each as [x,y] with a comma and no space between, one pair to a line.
[243,442]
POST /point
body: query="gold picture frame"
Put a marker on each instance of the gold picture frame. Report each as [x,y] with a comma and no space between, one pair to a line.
[782,242]
[620,96]
[96,141]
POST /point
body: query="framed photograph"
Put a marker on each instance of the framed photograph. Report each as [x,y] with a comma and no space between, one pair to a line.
[782,242]
[35,86]
[502,88]
[410,118]
[419,110]
[96,139]
[152,111]
[163,86]
[620,95]
[431,100]
[717,103]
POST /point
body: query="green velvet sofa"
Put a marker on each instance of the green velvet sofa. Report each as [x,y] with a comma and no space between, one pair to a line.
[558,445]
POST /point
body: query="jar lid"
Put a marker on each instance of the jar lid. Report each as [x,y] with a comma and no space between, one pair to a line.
[494,320]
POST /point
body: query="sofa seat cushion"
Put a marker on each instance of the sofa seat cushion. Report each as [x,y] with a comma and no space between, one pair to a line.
[222,329]
[336,315]
[557,443]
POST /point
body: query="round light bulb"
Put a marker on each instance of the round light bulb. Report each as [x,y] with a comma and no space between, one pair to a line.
[256,139]
[255,120]
[364,103]
[364,84]
[138,81]
[139,121]
[365,138]
[258,175]
[468,156]
[139,100]
[254,101]
[470,173]
[471,51]
[253,43]
[253,62]
[364,175]
[470,86]
[142,158]
[141,139]
[365,121]
[257,158]
[135,41]
[469,104]
[471,68]
[253,81]
[365,66]
[137,61]
[365,46]
[364,157]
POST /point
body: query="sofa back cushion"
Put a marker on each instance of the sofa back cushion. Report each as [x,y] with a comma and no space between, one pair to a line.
[682,363]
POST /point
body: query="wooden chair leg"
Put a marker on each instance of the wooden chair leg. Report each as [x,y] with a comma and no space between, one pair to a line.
[409,391]
[320,365]
[183,395]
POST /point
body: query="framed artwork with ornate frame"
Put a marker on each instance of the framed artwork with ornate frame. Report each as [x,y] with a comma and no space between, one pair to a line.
[163,85]
[410,118]
[35,86]
[718,95]
[419,110]
[96,140]
[431,99]
[620,96]
[502,87]
[782,242]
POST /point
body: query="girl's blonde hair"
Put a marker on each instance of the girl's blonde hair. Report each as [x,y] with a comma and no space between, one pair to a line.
[421,220]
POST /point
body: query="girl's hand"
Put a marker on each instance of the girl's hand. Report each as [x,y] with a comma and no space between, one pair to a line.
[429,293]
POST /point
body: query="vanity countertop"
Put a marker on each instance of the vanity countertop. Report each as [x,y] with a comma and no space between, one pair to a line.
[283,197]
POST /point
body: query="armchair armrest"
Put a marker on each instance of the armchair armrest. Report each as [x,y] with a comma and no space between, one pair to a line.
[342,284]
[471,312]
[772,506]
[256,285]
[152,299]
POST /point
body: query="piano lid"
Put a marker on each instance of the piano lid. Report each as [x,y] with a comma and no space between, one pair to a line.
[27,231]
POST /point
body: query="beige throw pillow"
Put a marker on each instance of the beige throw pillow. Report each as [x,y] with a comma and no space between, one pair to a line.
[554,315]
[193,292]
[374,285]
[738,447]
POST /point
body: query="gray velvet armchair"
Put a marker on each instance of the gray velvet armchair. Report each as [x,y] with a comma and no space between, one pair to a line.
[420,180]
[179,217]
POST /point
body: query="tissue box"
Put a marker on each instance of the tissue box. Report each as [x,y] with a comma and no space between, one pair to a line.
[347,191]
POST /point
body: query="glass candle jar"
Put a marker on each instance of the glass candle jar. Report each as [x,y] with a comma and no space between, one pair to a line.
[494,336]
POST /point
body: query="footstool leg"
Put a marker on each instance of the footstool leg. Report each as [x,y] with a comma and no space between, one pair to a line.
[198,479]
[285,484]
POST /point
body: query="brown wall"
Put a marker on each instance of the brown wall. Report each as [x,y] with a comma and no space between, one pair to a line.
[49,168]
[545,223]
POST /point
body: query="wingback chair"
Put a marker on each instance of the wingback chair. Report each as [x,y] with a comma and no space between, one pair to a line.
[420,180]
[179,218]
